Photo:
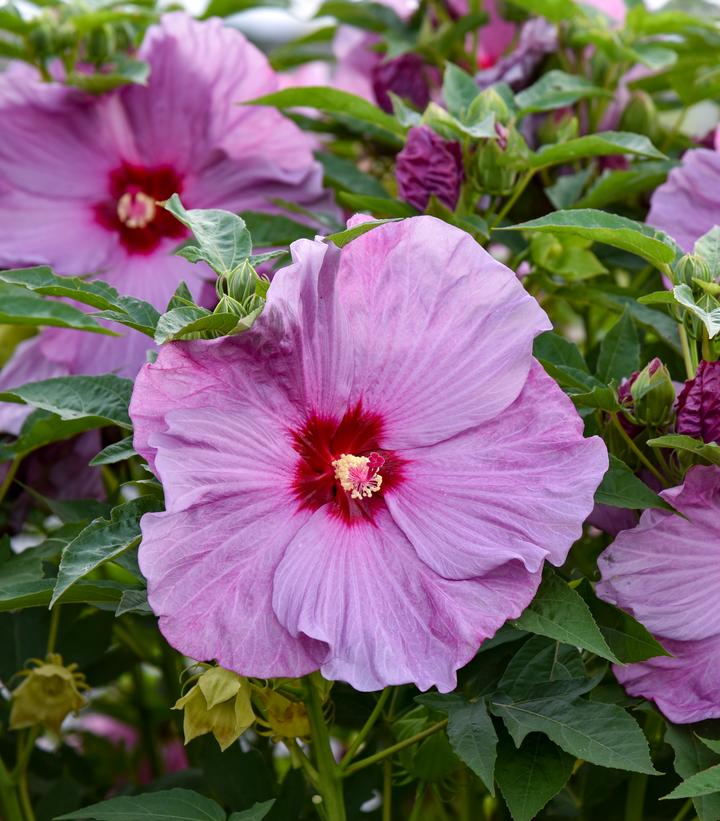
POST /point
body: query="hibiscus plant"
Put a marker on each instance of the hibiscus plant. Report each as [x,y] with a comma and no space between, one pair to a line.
[360,411]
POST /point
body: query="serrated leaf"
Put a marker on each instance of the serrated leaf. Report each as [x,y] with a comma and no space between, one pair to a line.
[133,601]
[18,306]
[255,813]
[192,319]
[691,757]
[117,452]
[275,229]
[618,186]
[104,399]
[470,731]
[15,596]
[604,144]
[709,452]
[538,661]
[620,487]
[636,237]
[602,734]
[706,782]
[459,89]
[42,428]
[557,89]
[708,247]
[342,238]
[164,805]
[559,613]
[101,541]
[531,775]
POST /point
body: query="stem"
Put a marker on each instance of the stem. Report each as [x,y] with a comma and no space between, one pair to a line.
[329,778]
[369,724]
[418,803]
[8,797]
[297,756]
[387,790]
[53,630]
[684,810]
[688,358]
[636,450]
[388,751]
[25,797]
[10,476]
[635,797]
[147,738]
[521,186]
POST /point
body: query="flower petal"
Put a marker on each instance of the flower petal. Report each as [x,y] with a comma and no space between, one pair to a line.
[387,618]
[517,487]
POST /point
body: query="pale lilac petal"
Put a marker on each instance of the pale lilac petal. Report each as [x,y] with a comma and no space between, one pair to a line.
[688,204]
[501,491]
[685,686]
[387,618]
[666,571]
[397,285]
[209,570]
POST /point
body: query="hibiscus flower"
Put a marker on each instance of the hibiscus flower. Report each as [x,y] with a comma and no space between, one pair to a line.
[370,479]
[80,177]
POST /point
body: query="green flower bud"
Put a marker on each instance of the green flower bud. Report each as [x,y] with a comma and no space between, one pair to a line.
[42,39]
[640,115]
[692,267]
[653,394]
[498,162]
[49,693]
[101,44]
[559,126]
[218,703]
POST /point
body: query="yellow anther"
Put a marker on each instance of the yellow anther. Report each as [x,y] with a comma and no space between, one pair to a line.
[136,210]
[358,475]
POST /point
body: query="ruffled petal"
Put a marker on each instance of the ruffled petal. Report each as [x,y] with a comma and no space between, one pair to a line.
[518,487]
[209,570]
[387,618]
[666,571]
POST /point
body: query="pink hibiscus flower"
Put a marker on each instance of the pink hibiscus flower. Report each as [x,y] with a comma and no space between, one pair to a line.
[80,175]
[664,573]
[369,480]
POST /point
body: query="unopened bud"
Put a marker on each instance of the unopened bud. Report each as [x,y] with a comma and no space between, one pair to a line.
[640,115]
[101,44]
[653,394]
[284,718]
[49,693]
[498,162]
[218,703]
[690,267]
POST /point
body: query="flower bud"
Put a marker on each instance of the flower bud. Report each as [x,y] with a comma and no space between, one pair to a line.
[640,115]
[42,39]
[429,165]
[283,718]
[653,394]
[692,266]
[497,162]
[698,406]
[49,693]
[559,126]
[405,76]
[218,703]
[101,44]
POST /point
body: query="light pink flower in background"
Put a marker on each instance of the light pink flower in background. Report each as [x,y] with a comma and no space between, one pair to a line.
[370,480]
[79,177]
[687,205]
[666,573]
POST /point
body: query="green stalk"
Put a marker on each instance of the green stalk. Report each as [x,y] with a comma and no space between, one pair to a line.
[10,476]
[636,450]
[388,751]
[635,801]
[369,724]
[519,188]
[387,790]
[8,797]
[329,776]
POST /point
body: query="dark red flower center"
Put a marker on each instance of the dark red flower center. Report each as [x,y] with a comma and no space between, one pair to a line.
[131,207]
[343,464]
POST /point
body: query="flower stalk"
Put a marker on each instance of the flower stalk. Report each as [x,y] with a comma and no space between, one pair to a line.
[332,807]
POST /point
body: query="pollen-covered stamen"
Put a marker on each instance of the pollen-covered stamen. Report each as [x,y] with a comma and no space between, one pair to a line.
[359,475]
[136,209]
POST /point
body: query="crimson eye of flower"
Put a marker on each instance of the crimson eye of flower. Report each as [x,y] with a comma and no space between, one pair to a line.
[131,208]
[342,462]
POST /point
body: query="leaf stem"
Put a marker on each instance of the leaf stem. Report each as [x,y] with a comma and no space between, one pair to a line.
[636,450]
[369,724]
[53,630]
[688,358]
[9,476]
[329,776]
[387,790]
[395,748]
[8,797]
[635,801]
[519,188]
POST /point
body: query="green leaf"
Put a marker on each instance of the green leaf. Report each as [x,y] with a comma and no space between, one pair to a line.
[558,612]
[604,144]
[224,8]
[101,541]
[192,319]
[117,452]
[619,186]
[19,306]
[275,229]
[470,731]
[691,757]
[43,428]
[459,89]
[599,397]
[531,775]
[539,661]
[705,782]
[380,207]
[369,16]
[125,70]
[627,638]
[708,247]
[556,11]
[556,89]
[102,400]
[620,351]
[342,238]
[566,190]
[620,487]
[637,238]
[165,805]
[564,362]
[134,313]
[134,601]
[255,813]
[333,101]
[710,319]
[709,452]
[15,596]
[222,240]
[602,734]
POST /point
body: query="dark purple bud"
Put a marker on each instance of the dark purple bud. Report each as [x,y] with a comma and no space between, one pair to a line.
[698,408]
[405,76]
[429,165]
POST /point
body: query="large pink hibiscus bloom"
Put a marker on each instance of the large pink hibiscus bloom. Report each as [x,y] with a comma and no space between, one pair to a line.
[369,480]
[666,573]
[79,177]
